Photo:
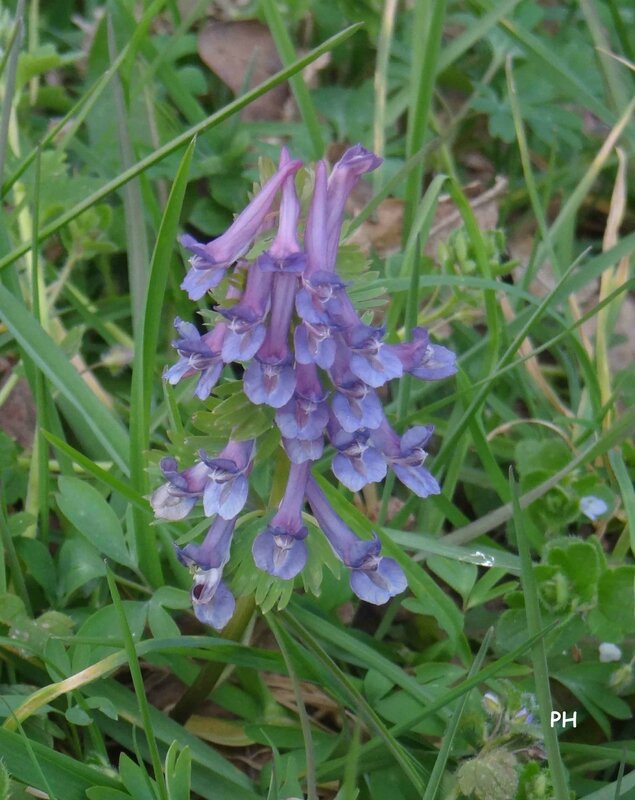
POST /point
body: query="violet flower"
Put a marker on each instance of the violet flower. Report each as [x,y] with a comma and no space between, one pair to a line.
[357,462]
[285,254]
[210,260]
[280,550]
[429,362]
[308,355]
[405,456]
[226,485]
[371,360]
[245,321]
[373,578]
[301,450]
[175,499]
[306,414]
[212,601]
[270,378]
[356,161]
[197,354]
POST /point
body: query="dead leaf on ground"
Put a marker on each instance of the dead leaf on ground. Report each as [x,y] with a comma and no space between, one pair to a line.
[232,50]
[382,232]
[17,413]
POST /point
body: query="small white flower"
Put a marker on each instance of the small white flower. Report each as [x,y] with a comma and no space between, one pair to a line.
[593,507]
[609,652]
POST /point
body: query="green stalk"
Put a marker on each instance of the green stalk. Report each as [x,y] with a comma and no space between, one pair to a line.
[210,674]
[38,290]
[434,781]
[9,84]
[427,30]
[137,681]
[284,45]
[381,82]
[311,782]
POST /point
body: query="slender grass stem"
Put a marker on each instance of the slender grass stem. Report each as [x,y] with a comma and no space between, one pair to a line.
[311,782]
[538,652]
[299,88]
[137,680]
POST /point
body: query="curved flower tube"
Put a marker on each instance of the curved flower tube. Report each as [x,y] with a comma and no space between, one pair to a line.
[374,578]
[281,550]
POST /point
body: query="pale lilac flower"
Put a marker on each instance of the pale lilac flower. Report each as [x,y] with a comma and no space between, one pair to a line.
[357,406]
[356,161]
[175,499]
[357,462]
[210,261]
[306,415]
[197,354]
[322,299]
[373,578]
[405,456]
[246,329]
[429,362]
[315,343]
[285,254]
[315,229]
[226,485]
[280,550]
[372,361]
[301,450]
[270,378]
[212,601]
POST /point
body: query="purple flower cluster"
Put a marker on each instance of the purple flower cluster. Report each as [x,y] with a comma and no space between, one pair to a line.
[307,354]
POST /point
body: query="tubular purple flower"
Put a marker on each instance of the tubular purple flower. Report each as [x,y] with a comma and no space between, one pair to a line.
[430,362]
[226,486]
[357,406]
[357,462]
[354,404]
[406,455]
[197,354]
[285,254]
[270,378]
[373,578]
[246,330]
[315,242]
[212,601]
[211,260]
[323,299]
[280,550]
[371,361]
[306,415]
[301,450]
[346,173]
[315,344]
[175,499]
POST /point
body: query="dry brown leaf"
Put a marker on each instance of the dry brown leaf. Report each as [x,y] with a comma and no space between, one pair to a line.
[232,50]
[17,413]
[382,232]
[219,731]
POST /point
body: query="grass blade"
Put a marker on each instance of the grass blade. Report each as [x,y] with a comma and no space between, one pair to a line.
[300,90]
[50,359]
[441,760]
[137,681]
[538,653]
[144,362]
[427,30]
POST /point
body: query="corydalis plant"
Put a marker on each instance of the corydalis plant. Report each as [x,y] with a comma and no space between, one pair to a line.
[307,354]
